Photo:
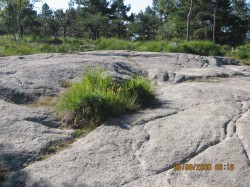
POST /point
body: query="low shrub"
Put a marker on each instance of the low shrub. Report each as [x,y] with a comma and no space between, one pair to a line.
[116,44]
[55,41]
[97,98]
[153,46]
[242,52]
[204,48]
[32,45]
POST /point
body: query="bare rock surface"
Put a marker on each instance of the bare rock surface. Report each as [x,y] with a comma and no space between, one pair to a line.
[25,132]
[203,118]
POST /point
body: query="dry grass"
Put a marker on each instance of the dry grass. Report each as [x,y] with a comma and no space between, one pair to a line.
[3,174]
[44,101]
[65,84]
[207,80]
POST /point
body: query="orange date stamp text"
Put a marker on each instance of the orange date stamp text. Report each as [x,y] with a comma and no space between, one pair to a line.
[204,167]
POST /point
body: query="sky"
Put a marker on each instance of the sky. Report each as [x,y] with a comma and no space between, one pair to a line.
[136,5]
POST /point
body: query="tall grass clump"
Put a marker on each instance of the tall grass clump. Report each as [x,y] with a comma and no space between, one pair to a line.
[115,44]
[153,46]
[33,45]
[97,98]
[204,48]
[242,52]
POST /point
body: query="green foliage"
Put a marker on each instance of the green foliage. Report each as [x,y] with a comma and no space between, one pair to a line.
[118,17]
[165,20]
[115,44]
[243,52]
[97,98]
[231,20]
[154,46]
[174,27]
[145,25]
[204,48]
[32,45]
[141,88]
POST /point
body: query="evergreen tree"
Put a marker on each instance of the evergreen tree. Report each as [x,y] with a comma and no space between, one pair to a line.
[14,9]
[92,17]
[62,19]
[119,18]
[221,21]
[94,6]
[46,16]
[71,20]
[146,24]
[30,23]
[216,20]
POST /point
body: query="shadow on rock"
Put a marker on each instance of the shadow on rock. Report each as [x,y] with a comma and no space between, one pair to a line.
[23,179]
[10,161]
[140,117]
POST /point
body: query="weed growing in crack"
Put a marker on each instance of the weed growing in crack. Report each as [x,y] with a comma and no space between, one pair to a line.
[97,98]
[4,172]
[65,84]
[44,101]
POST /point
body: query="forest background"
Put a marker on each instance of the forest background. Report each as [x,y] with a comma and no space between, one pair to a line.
[205,27]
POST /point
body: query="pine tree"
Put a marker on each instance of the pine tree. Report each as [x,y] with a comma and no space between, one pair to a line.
[147,24]
[46,16]
[93,17]
[119,18]
[14,10]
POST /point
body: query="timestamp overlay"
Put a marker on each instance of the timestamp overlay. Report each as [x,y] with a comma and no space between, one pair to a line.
[205,167]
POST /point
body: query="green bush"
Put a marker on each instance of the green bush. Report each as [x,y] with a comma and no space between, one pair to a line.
[204,48]
[153,46]
[116,44]
[32,45]
[243,52]
[55,41]
[111,44]
[97,98]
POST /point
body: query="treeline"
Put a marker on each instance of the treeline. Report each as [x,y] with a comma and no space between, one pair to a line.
[220,21]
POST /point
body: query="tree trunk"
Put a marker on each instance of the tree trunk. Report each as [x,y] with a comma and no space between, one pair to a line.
[214,26]
[206,29]
[188,19]
[19,26]
[45,29]
[18,23]
[14,28]
[13,21]
[64,31]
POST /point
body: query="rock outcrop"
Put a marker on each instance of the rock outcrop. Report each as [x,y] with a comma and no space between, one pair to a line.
[203,118]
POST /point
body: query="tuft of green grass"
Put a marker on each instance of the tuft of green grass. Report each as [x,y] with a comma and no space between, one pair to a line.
[98,97]
[153,46]
[116,44]
[242,52]
[205,48]
[33,45]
